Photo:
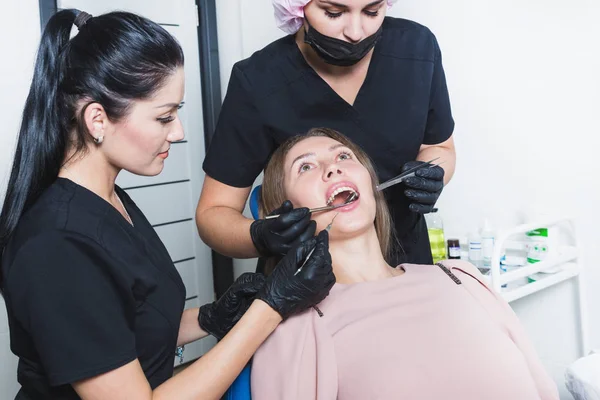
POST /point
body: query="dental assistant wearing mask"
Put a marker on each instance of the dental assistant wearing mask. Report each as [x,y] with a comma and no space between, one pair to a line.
[345,66]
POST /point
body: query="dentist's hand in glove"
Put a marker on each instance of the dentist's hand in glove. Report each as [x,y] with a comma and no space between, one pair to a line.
[288,293]
[219,317]
[278,236]
[424,188]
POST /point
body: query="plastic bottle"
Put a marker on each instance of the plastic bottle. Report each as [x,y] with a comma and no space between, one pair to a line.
[475,253]
[542,243]
[487,243]
[435,229]
[537,246]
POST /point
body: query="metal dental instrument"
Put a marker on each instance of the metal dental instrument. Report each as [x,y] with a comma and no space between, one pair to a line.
[328,228]
[406,174]
[350,199]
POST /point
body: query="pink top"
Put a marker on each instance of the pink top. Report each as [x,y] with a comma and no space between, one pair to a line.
[414,336]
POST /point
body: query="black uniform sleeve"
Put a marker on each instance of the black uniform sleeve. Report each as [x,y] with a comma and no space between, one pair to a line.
[240,147]
[67,294]
[440,124]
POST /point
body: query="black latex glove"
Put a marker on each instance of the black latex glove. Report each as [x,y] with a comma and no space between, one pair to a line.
[219,317]
[289,294]
[424,188]
[277,236]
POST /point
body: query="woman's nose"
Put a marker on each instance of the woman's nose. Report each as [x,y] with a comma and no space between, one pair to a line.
[332,171]
[354,31]
[177,133]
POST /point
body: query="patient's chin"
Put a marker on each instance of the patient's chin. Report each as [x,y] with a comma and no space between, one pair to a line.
[351,225]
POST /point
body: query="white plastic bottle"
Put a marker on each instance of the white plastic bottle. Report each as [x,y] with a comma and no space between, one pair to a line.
[487,243]
[475,253]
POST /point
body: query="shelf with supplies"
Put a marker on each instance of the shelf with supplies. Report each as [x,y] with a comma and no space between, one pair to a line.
[560,264]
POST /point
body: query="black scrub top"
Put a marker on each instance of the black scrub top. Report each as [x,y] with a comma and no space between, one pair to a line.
[402,104]
[87,293]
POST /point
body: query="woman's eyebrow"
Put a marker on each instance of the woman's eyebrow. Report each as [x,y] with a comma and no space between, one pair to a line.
[375,3]
[333,3]
[300,157]
[338,5]
[336,146]
[172,105]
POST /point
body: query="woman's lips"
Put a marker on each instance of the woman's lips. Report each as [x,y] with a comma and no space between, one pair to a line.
[351,206]
[164,154]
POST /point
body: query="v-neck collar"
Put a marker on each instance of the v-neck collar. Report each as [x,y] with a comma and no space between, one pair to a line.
[146,234]
[141,230]
[299,57]
[100,205]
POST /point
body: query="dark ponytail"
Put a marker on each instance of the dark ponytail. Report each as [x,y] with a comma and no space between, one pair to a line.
[114,59]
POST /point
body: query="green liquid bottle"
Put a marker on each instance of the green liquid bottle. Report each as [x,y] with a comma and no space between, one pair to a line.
[435,228]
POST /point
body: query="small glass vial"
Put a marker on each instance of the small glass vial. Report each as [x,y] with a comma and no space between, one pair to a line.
[453,249]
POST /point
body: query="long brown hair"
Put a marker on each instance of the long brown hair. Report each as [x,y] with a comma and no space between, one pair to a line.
[273,191]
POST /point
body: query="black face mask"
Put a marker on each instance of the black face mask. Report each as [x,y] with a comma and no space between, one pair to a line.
[338,52]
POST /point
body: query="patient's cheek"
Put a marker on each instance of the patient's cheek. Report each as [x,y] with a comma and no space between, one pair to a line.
[294,198]
[298,195]
[298,201]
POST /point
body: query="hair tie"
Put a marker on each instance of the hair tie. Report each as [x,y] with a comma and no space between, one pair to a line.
[81,19]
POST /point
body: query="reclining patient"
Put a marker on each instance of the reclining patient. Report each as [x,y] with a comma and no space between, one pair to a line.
[406,332]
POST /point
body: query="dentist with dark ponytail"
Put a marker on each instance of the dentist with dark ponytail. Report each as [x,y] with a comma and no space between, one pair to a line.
[95,304]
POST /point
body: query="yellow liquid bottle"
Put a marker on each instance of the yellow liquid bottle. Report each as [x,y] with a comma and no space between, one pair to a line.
[435,229]
[438,244]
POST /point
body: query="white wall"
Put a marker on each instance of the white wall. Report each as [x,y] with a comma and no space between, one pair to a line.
[20,31]
[523,79]
[525,92]
[244,26]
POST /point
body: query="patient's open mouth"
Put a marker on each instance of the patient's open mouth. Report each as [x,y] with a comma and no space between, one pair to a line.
[342,195]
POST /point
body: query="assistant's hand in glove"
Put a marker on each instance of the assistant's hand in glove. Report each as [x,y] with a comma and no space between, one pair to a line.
[277,236]
[424,188]
[289,294]
[219,317]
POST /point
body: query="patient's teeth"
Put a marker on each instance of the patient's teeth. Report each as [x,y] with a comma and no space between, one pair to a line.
[340,190]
